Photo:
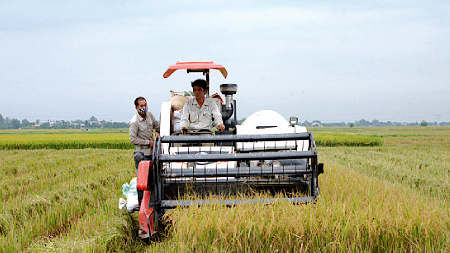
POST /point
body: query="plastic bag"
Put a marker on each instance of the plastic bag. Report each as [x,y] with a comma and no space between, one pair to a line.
[176,121]
[130,188]
[132,202]
[130,191]
[122,203]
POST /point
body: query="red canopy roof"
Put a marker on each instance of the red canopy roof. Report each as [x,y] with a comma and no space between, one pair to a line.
[195,66]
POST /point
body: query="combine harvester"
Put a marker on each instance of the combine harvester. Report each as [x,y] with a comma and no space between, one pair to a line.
[264,152]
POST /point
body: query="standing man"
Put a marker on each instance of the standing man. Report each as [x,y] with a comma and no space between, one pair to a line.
[198,112]
[141,131]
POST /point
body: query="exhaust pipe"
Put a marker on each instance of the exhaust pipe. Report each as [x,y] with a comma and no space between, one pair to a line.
[228,89]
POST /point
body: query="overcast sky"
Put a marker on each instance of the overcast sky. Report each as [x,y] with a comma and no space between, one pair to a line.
[318,60]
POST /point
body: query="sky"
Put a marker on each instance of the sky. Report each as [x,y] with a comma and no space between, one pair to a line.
[333,61]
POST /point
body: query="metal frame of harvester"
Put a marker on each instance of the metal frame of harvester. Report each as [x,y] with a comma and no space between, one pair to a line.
[225,164]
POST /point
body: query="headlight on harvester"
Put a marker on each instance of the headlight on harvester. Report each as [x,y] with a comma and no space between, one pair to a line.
[293,121]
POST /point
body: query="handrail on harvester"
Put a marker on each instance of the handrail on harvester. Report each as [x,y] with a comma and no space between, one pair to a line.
[235,138]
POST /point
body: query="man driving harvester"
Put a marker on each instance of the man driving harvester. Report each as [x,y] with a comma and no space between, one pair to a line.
[199,112]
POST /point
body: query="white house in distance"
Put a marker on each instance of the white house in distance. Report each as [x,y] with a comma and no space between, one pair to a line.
[316,123]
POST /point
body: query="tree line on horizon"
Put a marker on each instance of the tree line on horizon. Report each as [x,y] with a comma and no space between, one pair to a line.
[92,123]
[366,123]
[374,123]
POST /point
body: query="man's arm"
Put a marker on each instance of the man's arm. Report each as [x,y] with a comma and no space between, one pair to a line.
[217,117]
[156,124]
[184,121]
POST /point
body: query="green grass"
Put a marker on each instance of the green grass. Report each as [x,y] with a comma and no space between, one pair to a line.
[422,165]
[385,131]
[389,198]
[65,140]
[70,139]
[355,213]
[49,195]
[335,140]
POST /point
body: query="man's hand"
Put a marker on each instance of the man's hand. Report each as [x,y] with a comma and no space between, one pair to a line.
[221,127]
[152,143]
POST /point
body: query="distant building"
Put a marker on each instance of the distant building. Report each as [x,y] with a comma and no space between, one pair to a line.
[316,123]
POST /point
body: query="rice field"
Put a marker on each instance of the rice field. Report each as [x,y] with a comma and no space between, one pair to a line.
[119,139]
[388,197]
[64,139]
